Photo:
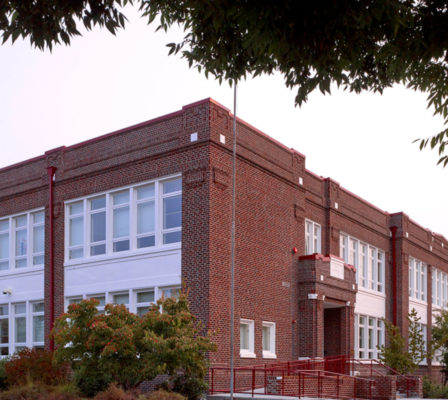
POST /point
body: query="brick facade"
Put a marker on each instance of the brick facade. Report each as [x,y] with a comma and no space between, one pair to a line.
[275,195]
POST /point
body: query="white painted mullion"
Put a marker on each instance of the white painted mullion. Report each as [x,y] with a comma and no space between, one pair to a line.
[11,329]
[109,225]
[132,219]
[158,214]
[11,244]
[29,237]
[28,325]
[86,228]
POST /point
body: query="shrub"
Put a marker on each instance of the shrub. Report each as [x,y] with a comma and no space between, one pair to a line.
[3,380]
[114,392]
[163,395]
[90,379]
[99,346]
[34,365]
[39,391]
[433,390]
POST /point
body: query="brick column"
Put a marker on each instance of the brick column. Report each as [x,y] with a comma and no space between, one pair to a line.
[311,328]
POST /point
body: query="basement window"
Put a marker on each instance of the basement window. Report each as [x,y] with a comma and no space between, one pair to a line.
[247,338]
[268,340]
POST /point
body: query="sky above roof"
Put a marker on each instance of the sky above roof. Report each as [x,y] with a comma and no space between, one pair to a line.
[103,83]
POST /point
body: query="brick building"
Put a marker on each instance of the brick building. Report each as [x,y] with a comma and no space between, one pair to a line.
[129,216]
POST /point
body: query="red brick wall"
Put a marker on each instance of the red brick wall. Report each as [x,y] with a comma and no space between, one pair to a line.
[271,208]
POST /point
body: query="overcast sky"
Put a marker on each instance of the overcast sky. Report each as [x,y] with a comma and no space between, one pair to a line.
[102,83]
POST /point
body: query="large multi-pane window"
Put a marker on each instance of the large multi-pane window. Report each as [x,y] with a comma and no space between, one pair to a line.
[21,325]
[439,281]
[137,301]
[312,237]
[22,240]
[369,335]
[128,219]
[417,279]
[368,261]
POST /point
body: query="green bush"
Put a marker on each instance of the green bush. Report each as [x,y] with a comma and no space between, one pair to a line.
[163,395]
[3,380]
[122,347]
[113,392]
[434,390]
[90,379]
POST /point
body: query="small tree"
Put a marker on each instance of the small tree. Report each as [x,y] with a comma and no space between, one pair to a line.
[440,338]
[399,355]
[121,347]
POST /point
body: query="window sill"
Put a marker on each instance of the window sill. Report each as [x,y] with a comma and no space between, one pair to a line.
[247,354]
[22,271]
[119,256]
[371,292]
[416,301]
[268,354]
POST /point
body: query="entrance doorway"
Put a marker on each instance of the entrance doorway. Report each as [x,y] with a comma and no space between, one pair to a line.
[332,329]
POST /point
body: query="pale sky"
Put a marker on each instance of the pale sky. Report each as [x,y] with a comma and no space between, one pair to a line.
[103,83]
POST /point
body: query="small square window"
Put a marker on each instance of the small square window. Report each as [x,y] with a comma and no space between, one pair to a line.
[247,338]
[268,340]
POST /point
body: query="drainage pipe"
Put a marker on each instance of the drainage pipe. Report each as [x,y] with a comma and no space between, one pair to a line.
[394,274]
[51,171]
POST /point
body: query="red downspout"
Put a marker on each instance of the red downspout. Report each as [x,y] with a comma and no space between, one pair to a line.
[51,171]
[394,274]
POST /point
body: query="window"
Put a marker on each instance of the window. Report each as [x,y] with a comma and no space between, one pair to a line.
[368,261]
[268,340]
[101,302]
[170,292]
[122,298]
[4,330]
[20,326]
[369,332]
[417,279]
[312,237]
[143,302]
[38,324]
[439,282]
[247,338]
[140,217]
[137,301]
[22,240]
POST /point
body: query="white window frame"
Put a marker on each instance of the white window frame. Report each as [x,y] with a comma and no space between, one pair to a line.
[33,315]
[373,328]
[248,352]
[439,281]
[133,236]
[418,281]
[271,352]
[144,304]
[12,345]
[6,317]
[369,262]
[132,304]
[313,239]
[11,231]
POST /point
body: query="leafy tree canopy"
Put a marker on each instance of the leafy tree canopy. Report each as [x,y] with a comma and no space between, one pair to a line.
[358,45]
[165,340]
